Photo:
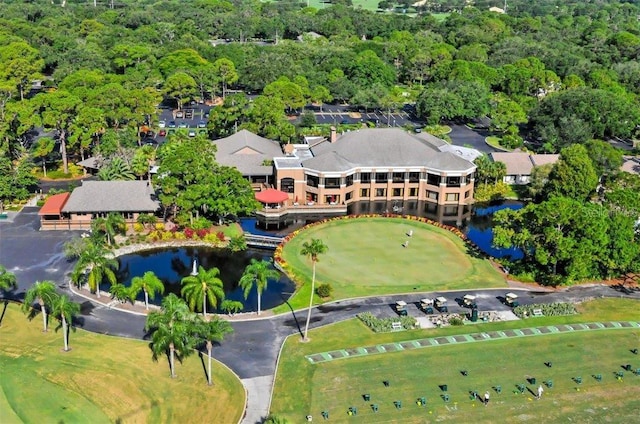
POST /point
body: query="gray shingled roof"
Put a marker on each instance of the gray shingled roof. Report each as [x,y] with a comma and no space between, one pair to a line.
[91,163]
[112,196]
[517,163]
[247,152]
[383,147]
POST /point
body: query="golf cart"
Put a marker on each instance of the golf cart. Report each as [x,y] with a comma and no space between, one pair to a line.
[441,304]
[469,300]
[511,299]
[401,308]
[426,305]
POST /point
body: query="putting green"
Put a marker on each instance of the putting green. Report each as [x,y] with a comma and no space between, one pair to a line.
[366,256]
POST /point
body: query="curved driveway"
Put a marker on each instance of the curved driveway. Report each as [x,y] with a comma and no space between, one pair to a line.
[252,350]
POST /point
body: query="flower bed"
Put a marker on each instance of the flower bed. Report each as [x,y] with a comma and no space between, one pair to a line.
[385,325]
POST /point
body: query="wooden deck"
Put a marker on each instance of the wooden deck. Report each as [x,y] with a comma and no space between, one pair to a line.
[301,210]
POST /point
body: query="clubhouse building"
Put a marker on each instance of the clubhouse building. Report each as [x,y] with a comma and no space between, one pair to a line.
[377,170]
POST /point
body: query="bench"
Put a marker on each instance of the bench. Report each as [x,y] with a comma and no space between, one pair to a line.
[537,313]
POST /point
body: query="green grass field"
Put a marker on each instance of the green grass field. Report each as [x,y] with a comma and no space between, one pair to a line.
[103,379]
[302,388]
[365,257]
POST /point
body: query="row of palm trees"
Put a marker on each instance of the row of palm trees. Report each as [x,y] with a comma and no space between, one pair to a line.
[60,306]
[177,332]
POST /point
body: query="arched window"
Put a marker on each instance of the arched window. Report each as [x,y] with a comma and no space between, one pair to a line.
[287,185]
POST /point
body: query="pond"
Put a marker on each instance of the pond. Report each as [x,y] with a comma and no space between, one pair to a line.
[479,229]
[171,265]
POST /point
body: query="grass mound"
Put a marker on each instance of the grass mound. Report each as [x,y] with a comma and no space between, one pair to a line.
[103,379]
[366,256]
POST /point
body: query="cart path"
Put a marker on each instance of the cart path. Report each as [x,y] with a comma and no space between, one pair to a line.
[391,347]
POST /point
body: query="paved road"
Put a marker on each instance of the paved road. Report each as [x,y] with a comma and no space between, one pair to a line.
[461,135]
[251,351]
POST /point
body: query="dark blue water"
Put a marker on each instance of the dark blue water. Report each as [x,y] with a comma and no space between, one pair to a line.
[171,265]
[480,228]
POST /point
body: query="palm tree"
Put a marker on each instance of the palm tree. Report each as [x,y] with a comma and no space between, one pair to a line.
[173,330]
[44,292]
[257,273]
[147,219]
[7,282]
[113,224]
[231,306]
[64,309]
[121,293]
[212,331]
[7,279]
[312,249]
[149,283]
[206,285]
[100,265]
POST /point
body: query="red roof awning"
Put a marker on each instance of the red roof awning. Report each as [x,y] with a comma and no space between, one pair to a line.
[54,204]
[271,195]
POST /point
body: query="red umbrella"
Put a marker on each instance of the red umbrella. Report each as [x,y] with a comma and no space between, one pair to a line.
[271,195]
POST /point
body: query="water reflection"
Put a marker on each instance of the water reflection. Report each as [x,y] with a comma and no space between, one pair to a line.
[476,220]
[171,265]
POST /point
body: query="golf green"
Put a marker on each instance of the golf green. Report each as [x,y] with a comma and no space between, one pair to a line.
[368,256]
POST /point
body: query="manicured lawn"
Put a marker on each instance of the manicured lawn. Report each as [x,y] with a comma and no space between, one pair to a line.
[302,388]
[103,379]
[365,256]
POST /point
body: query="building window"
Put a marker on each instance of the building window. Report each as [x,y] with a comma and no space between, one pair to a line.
[398,177]
[127,215]
[348,196]
[433,195]
[287,185]
[364,192]
[381,192]
[349,180]
[414,177]
[467,178]
[430,208]
[312,197]
[398,192]
[433,179]
[365,177]
[381,177]
[413,191]
[313,181]
[332,182]
[450,211]
[453,181]
[467,194]
[453,197]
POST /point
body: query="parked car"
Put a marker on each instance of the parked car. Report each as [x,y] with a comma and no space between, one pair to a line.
[202,124]
[192,133]
[162,133]
[162,124]
[179,114]
[150,134]
[172,124]
[182,125]
[150,141]
[171,131]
